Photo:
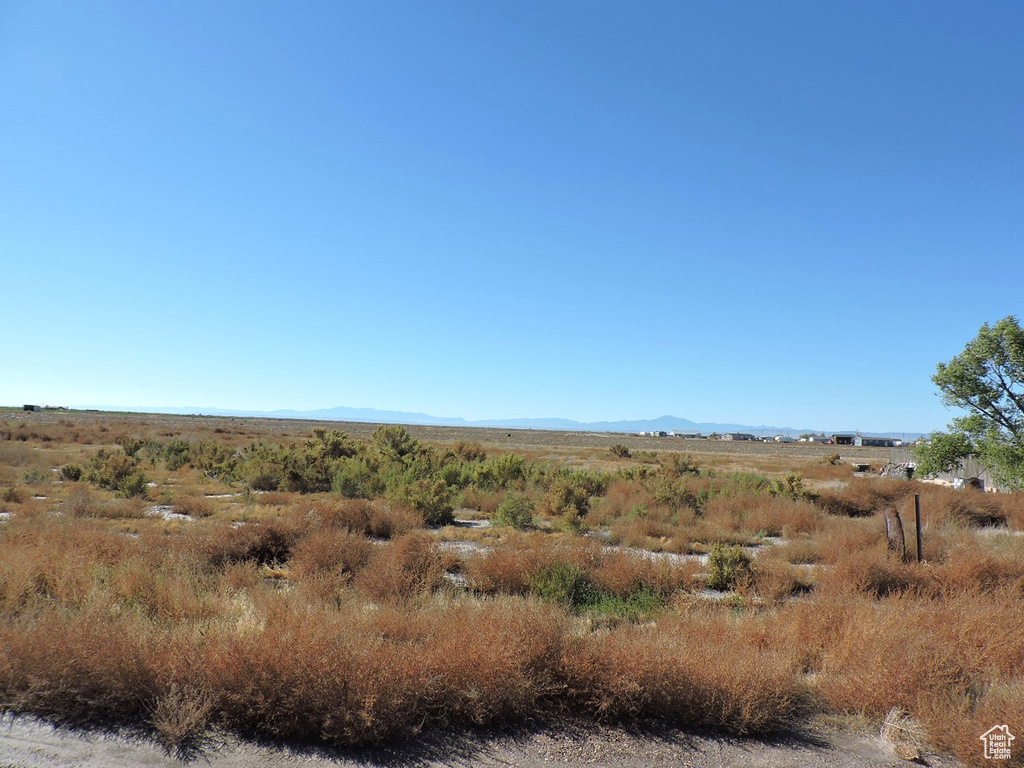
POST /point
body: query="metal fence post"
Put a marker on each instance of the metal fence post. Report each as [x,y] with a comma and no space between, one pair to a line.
[917,523]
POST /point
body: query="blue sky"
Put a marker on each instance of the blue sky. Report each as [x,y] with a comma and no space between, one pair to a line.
[767,213]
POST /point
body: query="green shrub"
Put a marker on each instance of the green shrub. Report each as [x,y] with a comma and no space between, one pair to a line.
[72,472]
[792,486]
[213,458]
[636,472]
[110,470]
[432,499]
[749,482]
[311,466]
[501,471]
[637,511]
[516,511]
[353,479]
[130,445]
[393,443]
[672,492]
[564,583]
[135,484]
[568,501]
[593,483]
[331,443]
[33,476]
[262,477]
[620,450]
[683,464]
[456,474]
[728,567]
[175,454]
[636,606]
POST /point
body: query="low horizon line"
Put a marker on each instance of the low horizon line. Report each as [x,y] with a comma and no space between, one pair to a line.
[222,411]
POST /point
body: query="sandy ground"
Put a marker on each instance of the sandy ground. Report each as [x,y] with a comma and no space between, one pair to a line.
[30,743]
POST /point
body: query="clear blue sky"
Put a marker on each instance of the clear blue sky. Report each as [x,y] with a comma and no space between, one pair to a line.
[767,213]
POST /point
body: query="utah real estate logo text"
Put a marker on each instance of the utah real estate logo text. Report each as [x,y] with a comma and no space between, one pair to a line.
[997,742]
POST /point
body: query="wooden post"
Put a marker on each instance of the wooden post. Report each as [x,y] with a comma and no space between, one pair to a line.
[917,523]
[894,533]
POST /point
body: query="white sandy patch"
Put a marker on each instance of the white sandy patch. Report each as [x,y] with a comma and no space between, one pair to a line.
[166,511]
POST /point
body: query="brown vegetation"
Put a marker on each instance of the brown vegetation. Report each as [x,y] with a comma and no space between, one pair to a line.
[315,616]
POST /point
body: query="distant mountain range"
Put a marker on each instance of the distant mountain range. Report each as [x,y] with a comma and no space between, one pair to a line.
[374,416]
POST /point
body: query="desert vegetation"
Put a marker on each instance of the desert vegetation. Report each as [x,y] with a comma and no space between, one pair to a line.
[352,589]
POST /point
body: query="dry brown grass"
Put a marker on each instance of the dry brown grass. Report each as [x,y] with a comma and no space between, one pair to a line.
[372,518]
[873,654]
[508,569]
[623,497]
[942,506]
[776,581]
[803,549]
[81,502]
[622,573]
[657,530]
[407,567]
[824,472]
[388,673]
[193,505]
[180,718]
[335,553]
[511,568]
[863,496]
[702,671]
[91,670]
[773,515]
[275,498]
[321,618]
[483,501]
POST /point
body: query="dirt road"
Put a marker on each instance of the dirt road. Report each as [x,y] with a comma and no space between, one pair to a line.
[29,743]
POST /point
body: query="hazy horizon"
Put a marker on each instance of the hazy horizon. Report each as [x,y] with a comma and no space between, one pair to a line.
[556,423]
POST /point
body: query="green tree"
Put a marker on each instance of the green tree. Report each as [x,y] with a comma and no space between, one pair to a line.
[987,381]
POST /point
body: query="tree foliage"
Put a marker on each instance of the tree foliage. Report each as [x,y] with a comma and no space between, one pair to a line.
[987,381]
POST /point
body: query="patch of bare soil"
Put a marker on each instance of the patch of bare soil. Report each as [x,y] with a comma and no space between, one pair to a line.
[29,743]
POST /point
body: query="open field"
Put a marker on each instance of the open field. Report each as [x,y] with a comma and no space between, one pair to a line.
[280,580]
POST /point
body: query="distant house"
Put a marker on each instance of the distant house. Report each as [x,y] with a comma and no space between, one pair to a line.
[875,442]
[34,408]
[843,439]
[784,439]
[737,436]
[687,435]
